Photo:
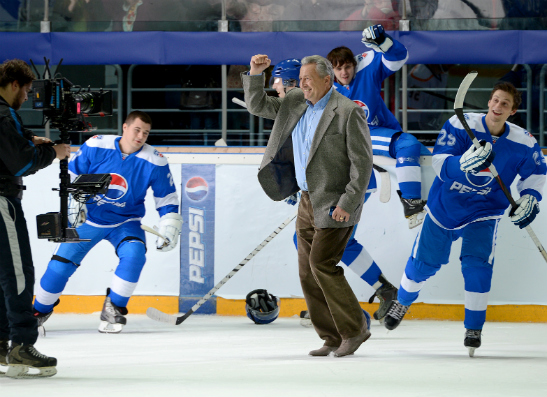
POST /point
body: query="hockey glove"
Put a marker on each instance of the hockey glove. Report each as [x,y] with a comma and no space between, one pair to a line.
[293,198]
[376,38]
[170,227]
[475,160]
[77,212]
[526,211]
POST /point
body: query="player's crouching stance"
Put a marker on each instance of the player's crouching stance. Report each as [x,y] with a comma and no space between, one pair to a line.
[115,217]
[465,201]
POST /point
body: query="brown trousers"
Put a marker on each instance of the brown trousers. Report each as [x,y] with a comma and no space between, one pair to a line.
[334,308]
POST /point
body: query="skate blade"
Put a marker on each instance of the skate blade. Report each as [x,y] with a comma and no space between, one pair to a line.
[107,328]
[306,322]
[416,219]
[21,372]
[41,331]
[471,351]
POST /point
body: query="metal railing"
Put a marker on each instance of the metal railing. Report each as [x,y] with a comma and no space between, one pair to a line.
[450,93]
[235,136]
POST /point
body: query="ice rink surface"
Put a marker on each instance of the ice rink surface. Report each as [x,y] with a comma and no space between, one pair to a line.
[217,356]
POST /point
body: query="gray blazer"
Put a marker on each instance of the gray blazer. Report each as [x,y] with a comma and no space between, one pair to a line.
[340,162]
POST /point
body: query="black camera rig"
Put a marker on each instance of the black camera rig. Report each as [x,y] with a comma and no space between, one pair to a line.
[66,106]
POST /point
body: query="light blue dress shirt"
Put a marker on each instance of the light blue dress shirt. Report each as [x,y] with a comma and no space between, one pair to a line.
[302,137]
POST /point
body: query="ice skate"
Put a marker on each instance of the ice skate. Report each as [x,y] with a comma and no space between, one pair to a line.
[23,357]
[414,210]
[305,320]
[4,350]
[395,315]
[386,294]
[112,318]
[472,340]
[41,318]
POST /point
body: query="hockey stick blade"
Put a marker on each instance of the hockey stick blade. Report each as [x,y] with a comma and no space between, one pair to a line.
[458,108]
[160,316]
[239,102]
[385,183]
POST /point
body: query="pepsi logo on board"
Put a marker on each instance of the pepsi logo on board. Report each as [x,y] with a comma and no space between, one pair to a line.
[196,188]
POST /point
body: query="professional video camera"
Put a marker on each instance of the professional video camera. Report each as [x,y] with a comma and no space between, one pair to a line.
[66,110]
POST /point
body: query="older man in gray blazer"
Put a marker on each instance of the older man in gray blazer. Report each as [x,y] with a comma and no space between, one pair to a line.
[320,144]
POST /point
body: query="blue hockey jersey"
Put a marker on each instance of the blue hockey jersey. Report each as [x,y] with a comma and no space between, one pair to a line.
[366,87]
[131,178]
[456,198]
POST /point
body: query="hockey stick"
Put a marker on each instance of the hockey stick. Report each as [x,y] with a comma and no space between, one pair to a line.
[158,315]
[153,231]
[458,108]
[385,188]
[239,102]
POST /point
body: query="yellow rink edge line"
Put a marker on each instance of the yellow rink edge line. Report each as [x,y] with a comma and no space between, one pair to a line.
[293,306]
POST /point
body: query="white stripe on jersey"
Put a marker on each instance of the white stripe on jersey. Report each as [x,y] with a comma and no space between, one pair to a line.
[380,138]
[363,60]
[484,218]
[72,175]
[394,65]
[534,181]
[111,226]
[172,199]
[476,301]
[151,155]
[381,147]
[102,141]
[437,163]
[520,135]
[474,120]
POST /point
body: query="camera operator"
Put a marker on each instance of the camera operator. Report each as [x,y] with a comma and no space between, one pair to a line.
[21,154]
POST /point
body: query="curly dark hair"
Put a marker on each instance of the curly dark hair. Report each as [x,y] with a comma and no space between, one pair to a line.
[15,70]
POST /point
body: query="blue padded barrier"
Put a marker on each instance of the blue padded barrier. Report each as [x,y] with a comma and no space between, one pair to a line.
[236,48]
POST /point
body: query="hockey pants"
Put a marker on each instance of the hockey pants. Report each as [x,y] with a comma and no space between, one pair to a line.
[432,250]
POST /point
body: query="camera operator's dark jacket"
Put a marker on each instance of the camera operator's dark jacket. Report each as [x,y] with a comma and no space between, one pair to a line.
[18,155]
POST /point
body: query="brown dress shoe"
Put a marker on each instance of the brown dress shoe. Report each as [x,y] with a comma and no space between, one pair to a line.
[349,346]
[324,351]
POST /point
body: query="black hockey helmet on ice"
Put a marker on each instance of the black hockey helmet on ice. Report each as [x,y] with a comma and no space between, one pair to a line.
[261,307]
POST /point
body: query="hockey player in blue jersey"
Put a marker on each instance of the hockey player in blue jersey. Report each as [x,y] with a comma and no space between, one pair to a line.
[116,217]
[285,76]
[360,79]
[465,201]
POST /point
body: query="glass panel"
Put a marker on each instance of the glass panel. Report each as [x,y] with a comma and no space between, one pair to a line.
[272,15]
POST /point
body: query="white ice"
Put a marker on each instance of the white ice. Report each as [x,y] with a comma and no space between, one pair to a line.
[218,356]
